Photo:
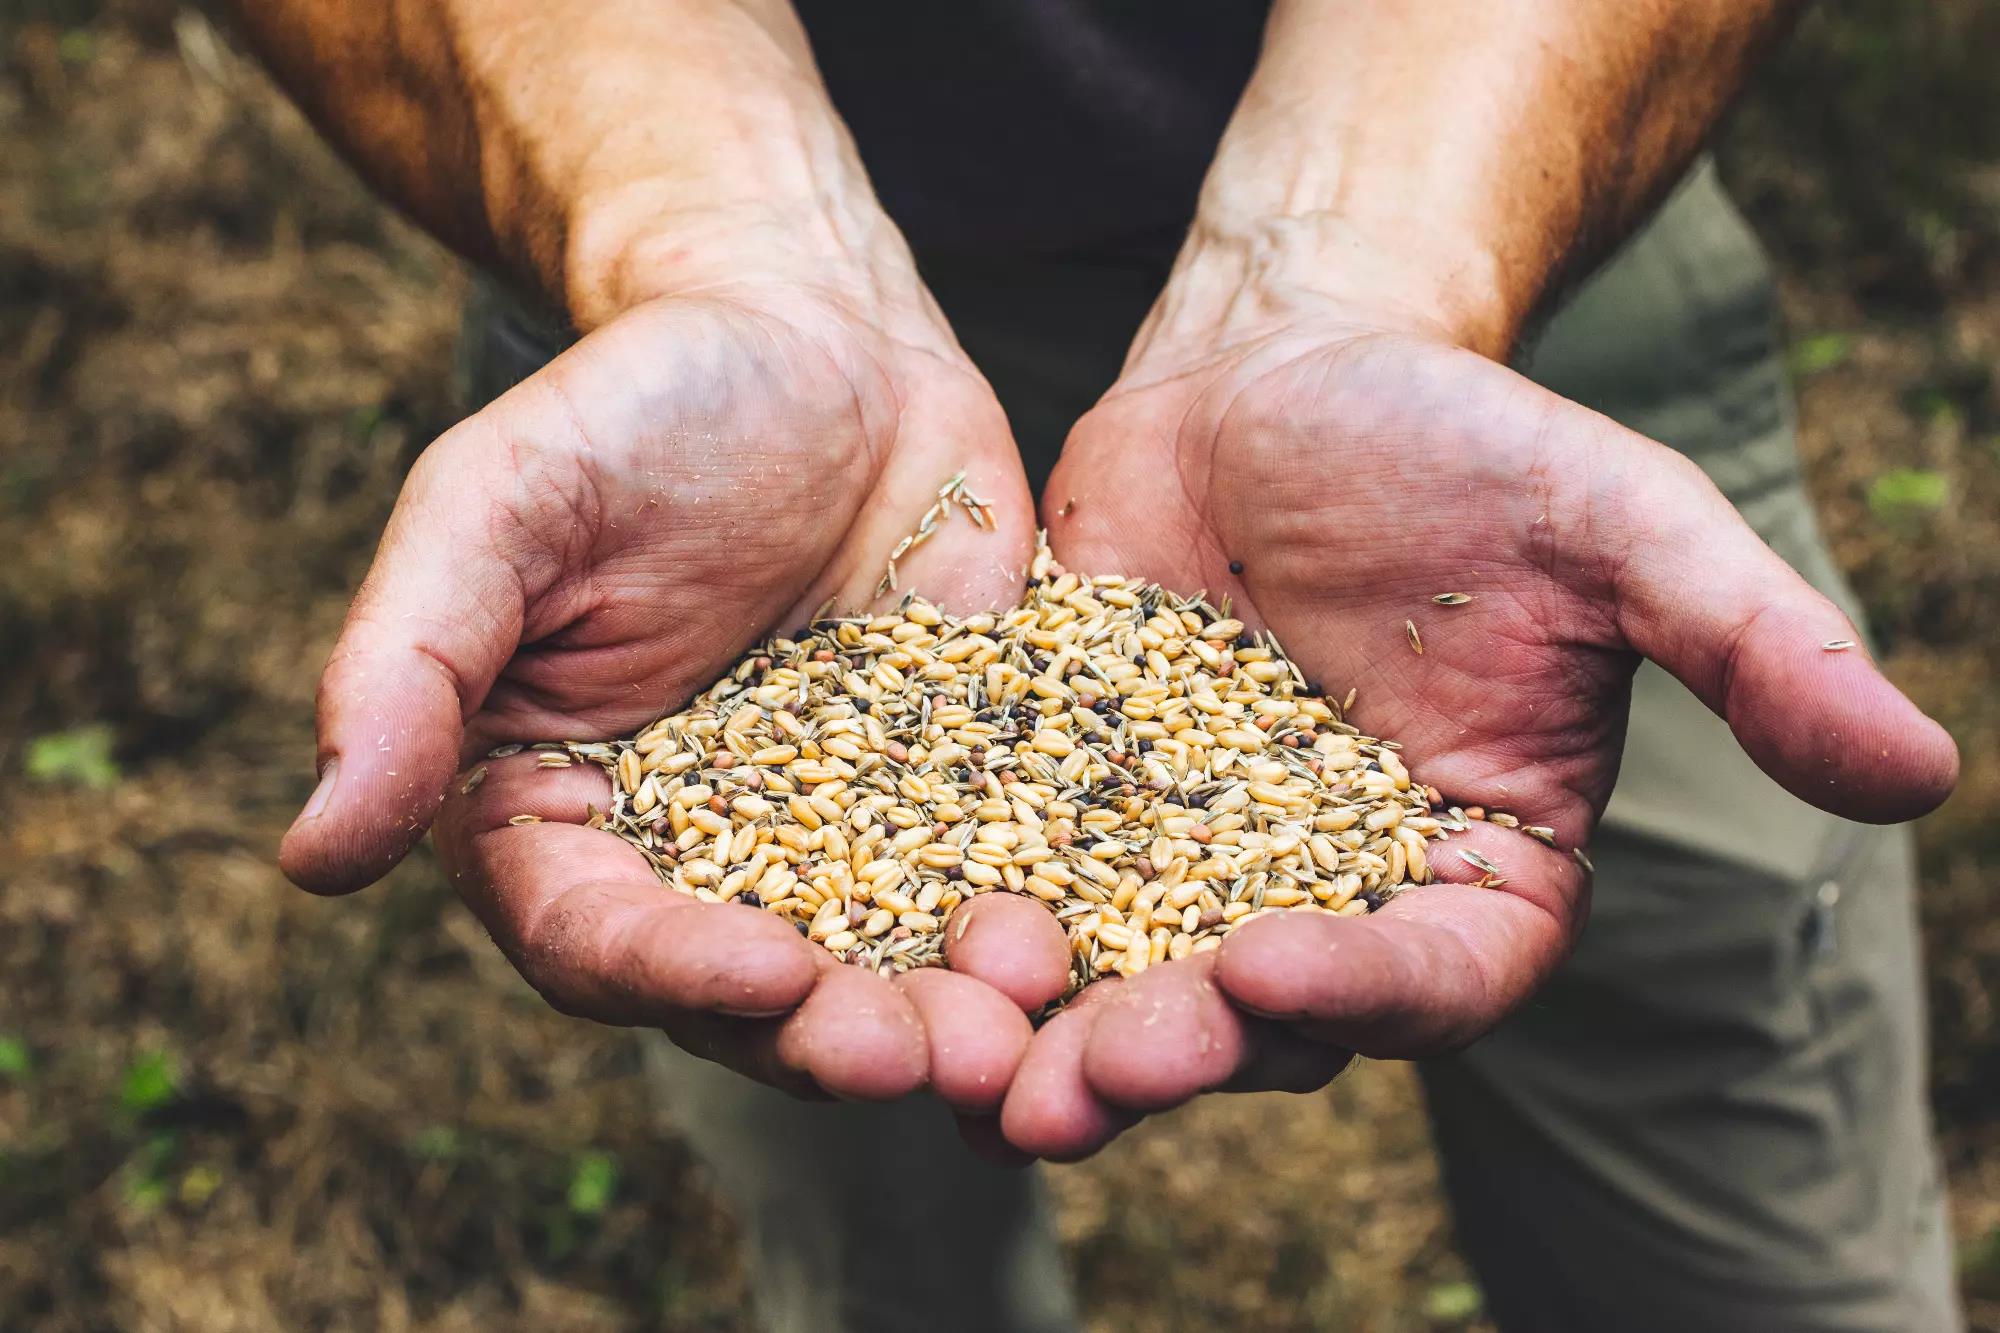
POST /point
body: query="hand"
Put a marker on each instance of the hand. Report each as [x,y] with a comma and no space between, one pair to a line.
[577,559]
[1353,468]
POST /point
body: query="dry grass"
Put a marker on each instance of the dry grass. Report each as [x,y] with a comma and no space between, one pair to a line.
[243,1108]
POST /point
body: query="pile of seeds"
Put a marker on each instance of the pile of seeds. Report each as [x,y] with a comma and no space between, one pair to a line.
[1132,758]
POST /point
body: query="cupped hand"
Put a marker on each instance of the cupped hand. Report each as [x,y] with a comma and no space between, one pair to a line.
[1335,477]
[573,562]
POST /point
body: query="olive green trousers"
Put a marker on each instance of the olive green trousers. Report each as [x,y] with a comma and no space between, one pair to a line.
[1714,1118]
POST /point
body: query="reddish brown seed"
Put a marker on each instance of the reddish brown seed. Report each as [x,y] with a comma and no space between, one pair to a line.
[754,780]
[823,655]
[897,752]
[939,829]
[1201,833]
[900,933]
[1266,723]
[1475,812]
[1086,701]
[1289,740]
[1062,840]
[1210,919]
[761,664]
[1228,667]
[718,805]
[1007,778]
[1144,865]
[1315,767]
[1117,757]
[976,757]
[723,760]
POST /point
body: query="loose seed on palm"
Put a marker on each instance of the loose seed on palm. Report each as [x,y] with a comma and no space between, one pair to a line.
[1132,758]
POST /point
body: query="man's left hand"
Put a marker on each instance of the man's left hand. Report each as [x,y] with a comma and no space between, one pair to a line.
[1334,474]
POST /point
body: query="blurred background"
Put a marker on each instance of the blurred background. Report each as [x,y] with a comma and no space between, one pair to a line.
[226,1105]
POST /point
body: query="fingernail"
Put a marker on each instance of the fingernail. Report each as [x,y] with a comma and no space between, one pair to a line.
[322,793]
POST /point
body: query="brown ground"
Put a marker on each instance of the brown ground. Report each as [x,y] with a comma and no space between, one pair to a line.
[225,1105]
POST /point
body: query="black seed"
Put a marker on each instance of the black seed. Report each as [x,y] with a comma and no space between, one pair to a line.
[1236,566]
[1372,898]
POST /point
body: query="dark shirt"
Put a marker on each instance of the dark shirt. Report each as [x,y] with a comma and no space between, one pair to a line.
[1035,126]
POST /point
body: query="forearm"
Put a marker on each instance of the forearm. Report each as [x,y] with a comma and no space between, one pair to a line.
[1454,159]
[600,150]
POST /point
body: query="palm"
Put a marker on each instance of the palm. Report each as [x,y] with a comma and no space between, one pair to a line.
[1353,485]
[695,475]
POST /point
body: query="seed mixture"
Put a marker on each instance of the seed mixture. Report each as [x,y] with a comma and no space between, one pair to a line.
[1133,758]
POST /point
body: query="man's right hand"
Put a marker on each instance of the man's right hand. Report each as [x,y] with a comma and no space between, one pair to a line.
[578,558]
[765,402]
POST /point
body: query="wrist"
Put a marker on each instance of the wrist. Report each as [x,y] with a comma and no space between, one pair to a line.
[644,241]
[732,169]
[1240,280]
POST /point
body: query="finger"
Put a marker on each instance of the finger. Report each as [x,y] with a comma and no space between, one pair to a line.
[854,1042]
[1283,1058]
[967,563]
[1051,1110]
[975,1037]
[587,922]
[1013,943]
[983,1137]
[747,1045]
[1702,595]
[1170,1034]
[1096,527]
[856,1036]
[1432,970]
[435,620]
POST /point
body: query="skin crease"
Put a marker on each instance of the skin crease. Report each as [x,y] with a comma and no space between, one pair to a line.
[767,397]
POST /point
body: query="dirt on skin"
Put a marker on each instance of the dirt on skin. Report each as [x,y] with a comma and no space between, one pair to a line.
[226,1105]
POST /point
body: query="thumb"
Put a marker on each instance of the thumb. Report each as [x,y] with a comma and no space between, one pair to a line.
[438,615]
[1699,593]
